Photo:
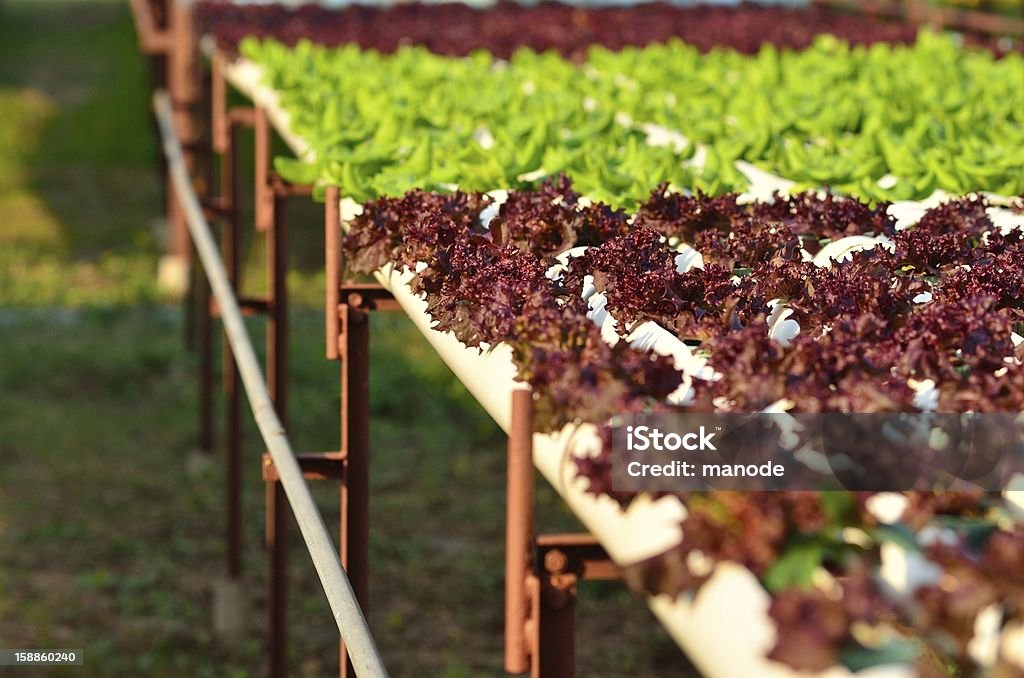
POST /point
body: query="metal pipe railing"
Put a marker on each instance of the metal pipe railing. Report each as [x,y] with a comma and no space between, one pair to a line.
[352,626]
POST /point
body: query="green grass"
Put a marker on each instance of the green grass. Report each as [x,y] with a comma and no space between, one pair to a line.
[111,525]
[110,537]
[79,193]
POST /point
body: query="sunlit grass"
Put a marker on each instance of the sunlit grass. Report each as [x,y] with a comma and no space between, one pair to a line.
[79,197]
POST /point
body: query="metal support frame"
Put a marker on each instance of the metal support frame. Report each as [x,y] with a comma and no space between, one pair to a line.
[224,142]
[183,86]
[271,195]
[231,254]
[198,301]
[541,572]
[167,36]
[225,125]
[351,621]
[347,319]
[277,513]
[350,342]
[224,139]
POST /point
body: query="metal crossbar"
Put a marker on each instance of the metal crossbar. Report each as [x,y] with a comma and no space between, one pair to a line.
[352,626]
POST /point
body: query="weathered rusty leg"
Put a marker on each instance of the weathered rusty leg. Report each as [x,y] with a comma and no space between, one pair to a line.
[541,572]
[519,534]
[181,84]
[205,331]
[355,491]
[277,503]
[557,643]
[230,251]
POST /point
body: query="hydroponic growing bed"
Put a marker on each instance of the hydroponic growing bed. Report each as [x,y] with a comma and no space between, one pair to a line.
[809,303]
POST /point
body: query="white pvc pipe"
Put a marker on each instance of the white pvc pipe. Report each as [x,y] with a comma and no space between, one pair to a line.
[352,626]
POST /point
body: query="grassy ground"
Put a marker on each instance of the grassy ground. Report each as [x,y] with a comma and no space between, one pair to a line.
[110,529]
[76,161]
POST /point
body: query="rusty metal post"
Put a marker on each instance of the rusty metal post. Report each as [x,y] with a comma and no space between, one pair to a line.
[205,329]
[277,374]
[347,337]
[332,268]
[355,444]
[225,142]
[204,325]
[220,130]
[277,608]
[520,501]
[158,69]
[181,61]
[347,323]
[557,643]
[332,311]
[230,249]
[277,328]
[223,201]
[263,193]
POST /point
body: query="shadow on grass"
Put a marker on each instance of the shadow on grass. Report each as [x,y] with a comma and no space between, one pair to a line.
[78,189]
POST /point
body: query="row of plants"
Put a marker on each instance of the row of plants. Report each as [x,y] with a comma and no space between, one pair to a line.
[455,29]
[1004,7]
[884,122]
[937,302]
[933,310]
